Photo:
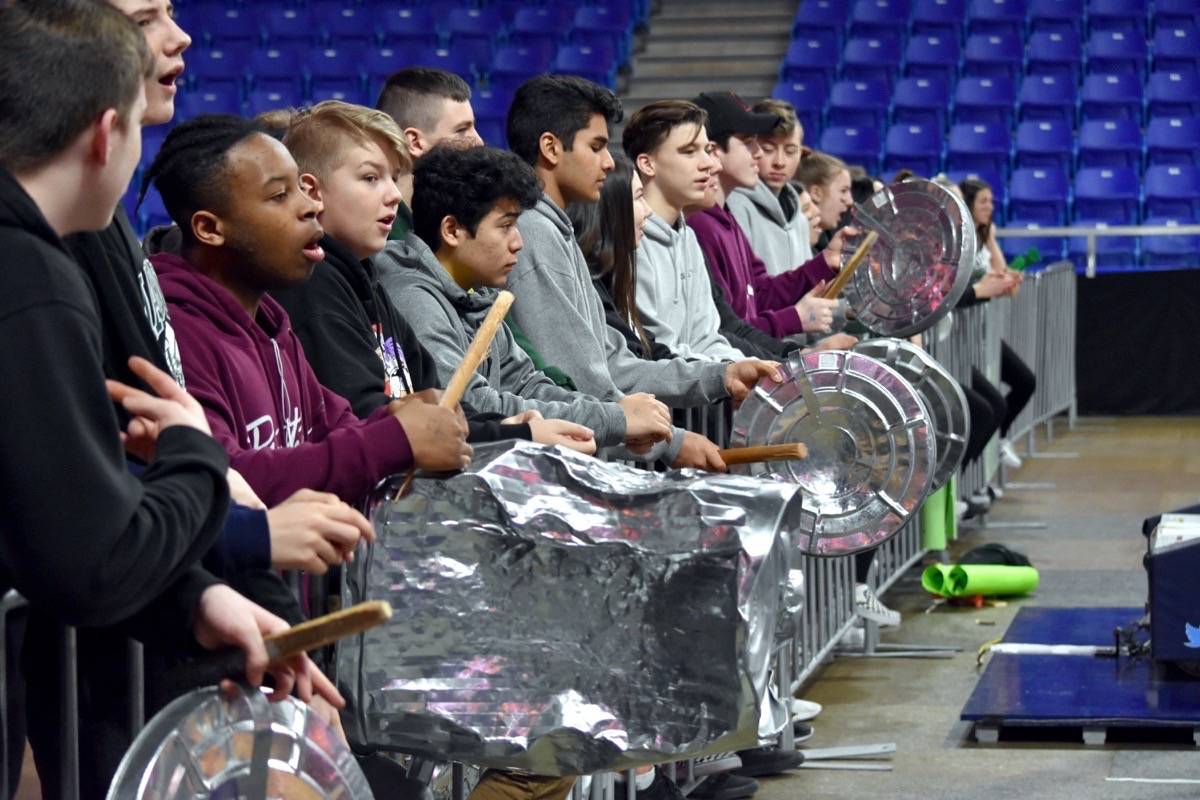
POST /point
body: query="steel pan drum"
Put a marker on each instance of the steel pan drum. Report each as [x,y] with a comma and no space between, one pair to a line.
[870,447]
[943,398]
[922,263]
[207,744]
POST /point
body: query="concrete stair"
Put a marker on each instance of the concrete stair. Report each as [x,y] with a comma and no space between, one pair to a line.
[702,45]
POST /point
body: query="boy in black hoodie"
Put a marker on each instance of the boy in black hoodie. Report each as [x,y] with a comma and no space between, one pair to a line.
[357,343]
[71,84]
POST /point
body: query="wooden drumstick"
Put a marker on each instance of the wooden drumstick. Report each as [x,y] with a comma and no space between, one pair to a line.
[847,272]
[471,360]
[770,452]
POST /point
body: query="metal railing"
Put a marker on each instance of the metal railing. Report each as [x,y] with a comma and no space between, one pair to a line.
[1091,233]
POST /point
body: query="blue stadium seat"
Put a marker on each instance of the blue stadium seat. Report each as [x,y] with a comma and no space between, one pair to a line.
[984,100]
[515,64]
[1126,16]
[941,18]
[1047,97]
[1050,248]
[1174,13]
[807,57]
[915,147]
[350,26]
[1039,195]
[1048,144]
[332,70]
[1173,191]
[277,69]
[239,25]
[407,27]
[474,50]
[1176,49]
[541,25]
[932,55]
[596,63]
[858,104]
[1173,94]
[1173,140]
[1005,17]
[978,146]
[192,103]
[358,96]
[379,63]
[269,100]
[808,96]
[218,67]
[152,212]
[1111,97]
[596,23]
[1054,53]
[1110,143]
[1112,252]
[825,18]
[993,54]
[1055,15]
[460,62]
[1116,51]
[491,105]
[474,29]
[874,58]
[283,25]
[878,19]
[1107,193]
[922,101]
[855,146]
[1169,252]
[493,133]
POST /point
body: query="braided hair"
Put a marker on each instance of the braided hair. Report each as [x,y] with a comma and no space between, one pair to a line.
[189,169]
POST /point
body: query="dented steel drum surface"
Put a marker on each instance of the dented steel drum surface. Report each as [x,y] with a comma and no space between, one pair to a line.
[562,615]
[943,398]
[870,443]
[209,744]
[922,263]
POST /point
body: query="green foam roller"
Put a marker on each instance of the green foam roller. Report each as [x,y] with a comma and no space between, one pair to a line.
[937,520]
[990,580]
[936,579]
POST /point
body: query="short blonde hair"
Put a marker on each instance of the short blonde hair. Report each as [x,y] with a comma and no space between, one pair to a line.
[317,136]
[819,169]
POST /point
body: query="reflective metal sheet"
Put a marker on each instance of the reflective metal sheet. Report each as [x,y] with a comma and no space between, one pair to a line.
[870,447]
[208,744]
[943,398]
[922,263]
[562,615]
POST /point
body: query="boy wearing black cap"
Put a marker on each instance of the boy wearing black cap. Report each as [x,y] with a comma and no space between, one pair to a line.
[779,304]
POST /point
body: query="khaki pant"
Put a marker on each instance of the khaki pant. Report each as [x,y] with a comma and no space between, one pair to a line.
[501,785]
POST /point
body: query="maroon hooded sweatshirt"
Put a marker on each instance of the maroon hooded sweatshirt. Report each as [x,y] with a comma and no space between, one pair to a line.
[282,429]
[767,302]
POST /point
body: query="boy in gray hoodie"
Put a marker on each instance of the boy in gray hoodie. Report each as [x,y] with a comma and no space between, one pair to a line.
[668,144]
[559,125]
[443,278]
[771,213]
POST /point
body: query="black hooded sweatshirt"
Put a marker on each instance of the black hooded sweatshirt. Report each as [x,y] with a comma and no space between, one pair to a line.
[83,538]
[359,345]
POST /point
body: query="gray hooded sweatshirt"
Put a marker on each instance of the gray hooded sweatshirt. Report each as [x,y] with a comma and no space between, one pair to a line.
[781,243]
[674,293]
[558,309]
[446,317]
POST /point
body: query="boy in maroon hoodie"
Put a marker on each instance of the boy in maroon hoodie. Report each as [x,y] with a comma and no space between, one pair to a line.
[248,227]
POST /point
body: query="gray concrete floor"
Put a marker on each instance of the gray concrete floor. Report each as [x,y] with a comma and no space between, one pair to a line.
[1090,555]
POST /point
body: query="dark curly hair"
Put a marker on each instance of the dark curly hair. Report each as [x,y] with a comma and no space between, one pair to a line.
[190,168]
[558,104]
[467,183]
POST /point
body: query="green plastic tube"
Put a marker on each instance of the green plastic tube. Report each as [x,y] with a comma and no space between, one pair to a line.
[936,579]
[991,580]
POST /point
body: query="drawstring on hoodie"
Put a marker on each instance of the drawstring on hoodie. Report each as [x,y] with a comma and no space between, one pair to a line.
[285,401]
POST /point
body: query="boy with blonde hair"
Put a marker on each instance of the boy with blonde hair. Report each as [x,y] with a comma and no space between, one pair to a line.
[352,159]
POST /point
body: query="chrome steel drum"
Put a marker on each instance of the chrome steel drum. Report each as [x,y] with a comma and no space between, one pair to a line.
[922,263]
[870,447]
[208,744]
[943,398]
